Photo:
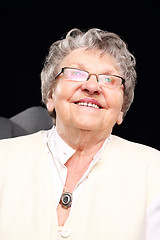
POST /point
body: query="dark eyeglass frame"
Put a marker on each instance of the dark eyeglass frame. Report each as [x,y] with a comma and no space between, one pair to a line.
[89,74]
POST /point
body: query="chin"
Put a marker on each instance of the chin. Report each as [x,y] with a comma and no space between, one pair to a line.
[87,125]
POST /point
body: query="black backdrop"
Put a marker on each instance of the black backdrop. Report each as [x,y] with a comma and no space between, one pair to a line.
[28,31]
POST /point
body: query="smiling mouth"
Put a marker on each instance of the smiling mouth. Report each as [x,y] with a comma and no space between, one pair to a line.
[89,103]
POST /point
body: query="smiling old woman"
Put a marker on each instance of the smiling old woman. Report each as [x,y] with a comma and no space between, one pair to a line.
[77,180]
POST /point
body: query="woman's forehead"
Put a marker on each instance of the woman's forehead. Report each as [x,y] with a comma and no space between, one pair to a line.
[90,59]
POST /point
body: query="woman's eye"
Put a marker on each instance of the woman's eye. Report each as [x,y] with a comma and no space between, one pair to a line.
[108,80]
[77,74]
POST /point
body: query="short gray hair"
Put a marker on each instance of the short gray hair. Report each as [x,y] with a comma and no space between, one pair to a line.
[107,42]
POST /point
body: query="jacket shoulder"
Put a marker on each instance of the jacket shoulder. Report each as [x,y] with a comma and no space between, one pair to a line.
[134,149]
[140,163]
[18,142]
[20,147]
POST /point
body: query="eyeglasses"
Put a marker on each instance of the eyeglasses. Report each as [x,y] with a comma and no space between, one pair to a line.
[78,75]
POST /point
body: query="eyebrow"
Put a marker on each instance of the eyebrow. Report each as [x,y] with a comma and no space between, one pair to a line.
[83,67]
[80,66]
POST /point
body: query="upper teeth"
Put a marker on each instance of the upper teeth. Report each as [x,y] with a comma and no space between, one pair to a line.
[88,104]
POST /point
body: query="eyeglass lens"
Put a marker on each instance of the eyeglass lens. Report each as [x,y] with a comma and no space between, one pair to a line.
[80,75]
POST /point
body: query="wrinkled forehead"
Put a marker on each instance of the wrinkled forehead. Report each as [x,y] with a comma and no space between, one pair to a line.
[93,60]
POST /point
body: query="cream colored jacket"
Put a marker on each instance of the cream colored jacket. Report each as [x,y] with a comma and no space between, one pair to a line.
[112,204]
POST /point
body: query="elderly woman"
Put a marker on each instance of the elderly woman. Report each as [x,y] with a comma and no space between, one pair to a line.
[77,180]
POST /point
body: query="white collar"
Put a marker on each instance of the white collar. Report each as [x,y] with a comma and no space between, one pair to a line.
[62,151]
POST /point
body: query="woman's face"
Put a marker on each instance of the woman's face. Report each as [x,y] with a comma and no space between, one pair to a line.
[67,94]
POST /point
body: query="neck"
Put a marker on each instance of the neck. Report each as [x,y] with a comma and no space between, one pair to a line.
[84,141]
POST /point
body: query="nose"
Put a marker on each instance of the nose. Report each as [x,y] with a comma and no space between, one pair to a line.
[91,86]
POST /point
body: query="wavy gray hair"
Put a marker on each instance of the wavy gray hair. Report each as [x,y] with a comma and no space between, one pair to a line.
[107,42]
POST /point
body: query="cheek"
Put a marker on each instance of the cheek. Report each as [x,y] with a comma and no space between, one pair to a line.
[66,90]
[62,95]
[114,99]
[59,93]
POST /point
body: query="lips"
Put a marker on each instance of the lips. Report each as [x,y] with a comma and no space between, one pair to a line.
[89,102]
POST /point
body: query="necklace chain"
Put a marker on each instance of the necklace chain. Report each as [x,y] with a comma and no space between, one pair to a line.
[60,174]
[66,197]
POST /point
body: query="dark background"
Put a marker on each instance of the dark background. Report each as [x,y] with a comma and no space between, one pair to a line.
[28,31]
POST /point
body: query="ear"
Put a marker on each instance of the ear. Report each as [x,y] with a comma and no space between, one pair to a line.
[50,104]
[120,118]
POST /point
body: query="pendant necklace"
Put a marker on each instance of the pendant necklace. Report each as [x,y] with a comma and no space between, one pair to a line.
[66,197]
[66,200]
